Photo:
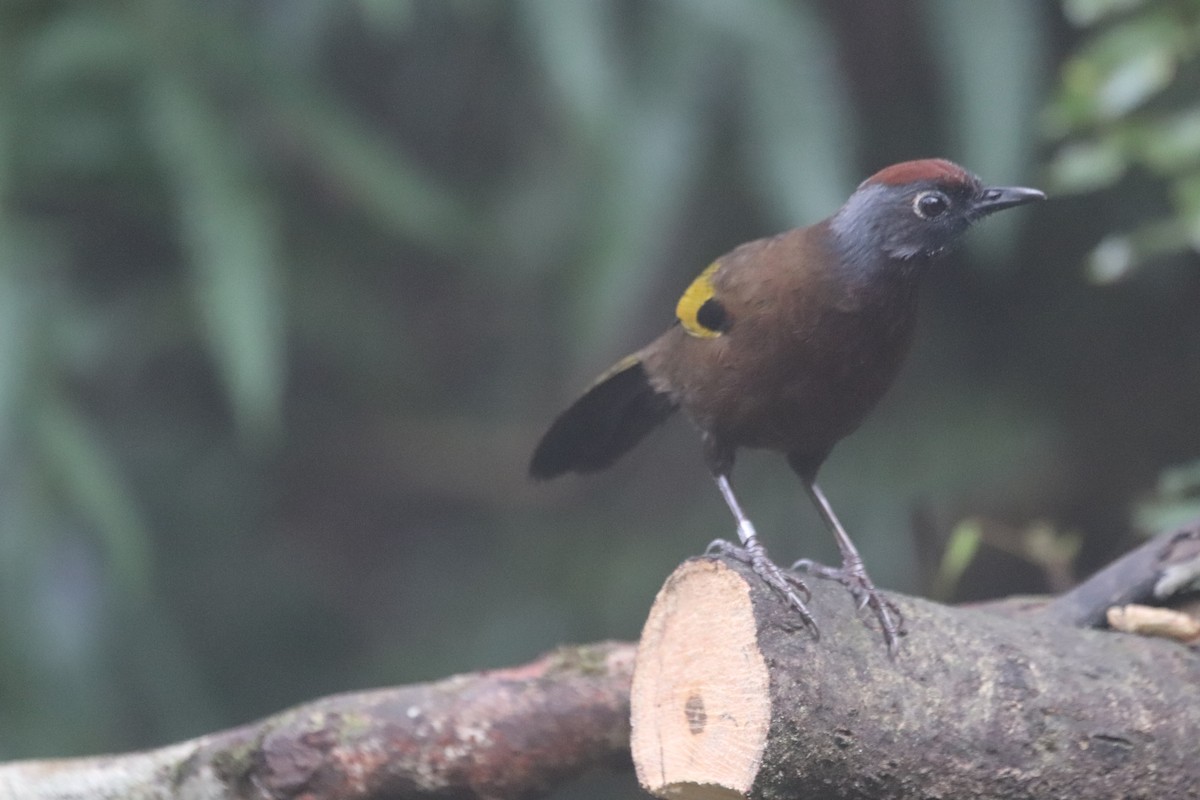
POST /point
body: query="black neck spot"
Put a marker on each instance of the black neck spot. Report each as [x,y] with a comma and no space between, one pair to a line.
[712,315]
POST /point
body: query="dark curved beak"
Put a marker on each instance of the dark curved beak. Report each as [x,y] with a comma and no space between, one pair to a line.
[998,198]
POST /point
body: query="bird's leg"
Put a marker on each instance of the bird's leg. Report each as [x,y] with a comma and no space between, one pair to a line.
[852,574]
[752,552]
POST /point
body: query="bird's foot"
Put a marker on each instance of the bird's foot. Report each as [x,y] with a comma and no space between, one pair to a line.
[855,578]
[787,584]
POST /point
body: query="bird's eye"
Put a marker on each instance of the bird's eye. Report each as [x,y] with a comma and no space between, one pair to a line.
[929,205]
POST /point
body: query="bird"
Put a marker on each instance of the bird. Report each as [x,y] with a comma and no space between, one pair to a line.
[786,343]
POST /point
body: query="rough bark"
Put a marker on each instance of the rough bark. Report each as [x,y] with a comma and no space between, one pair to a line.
[503,734]
[731,696]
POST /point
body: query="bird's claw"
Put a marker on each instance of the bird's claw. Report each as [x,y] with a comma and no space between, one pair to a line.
[723,547]
[855,578]
[785,583]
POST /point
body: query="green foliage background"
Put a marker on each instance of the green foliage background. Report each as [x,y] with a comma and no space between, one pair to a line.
[288,291]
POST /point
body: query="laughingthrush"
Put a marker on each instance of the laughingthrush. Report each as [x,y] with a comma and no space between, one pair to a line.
[786,343]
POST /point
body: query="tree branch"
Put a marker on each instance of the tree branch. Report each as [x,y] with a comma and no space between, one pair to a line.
[731,696]
[1160,569]
[512,733]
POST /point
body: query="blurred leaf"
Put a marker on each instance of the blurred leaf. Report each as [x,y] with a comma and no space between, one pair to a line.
[1152,518]
[639,173]
[230,234]
[1089,12]
[1134,80]
[19,255]
[1119,69]
[1180,481]
[634,212]
[575,43]
[363,165]
[1102,105]
[90,42]
[539,214]
[800,135]
[1172,143]
[991,59]
[1119,255]
[17,317]
[84,470]
[960,551]
[1176,500]
[1087,166]
[796,125]
[1052,550]
[63,101]
[1186,194]
[387,16]
[1039,543]
[1111,260]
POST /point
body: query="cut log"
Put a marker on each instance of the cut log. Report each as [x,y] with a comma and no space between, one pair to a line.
[701,704]
[732,696]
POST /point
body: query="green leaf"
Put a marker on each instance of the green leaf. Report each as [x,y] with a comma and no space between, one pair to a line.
[1171,144]
[1131,82]
[387,16]
[1186,193]
[364,164]
[800,135]
[1119,255]
[386,184]
[1087,166]
[959,553]
[19,305]
[991,61]
[88,42]
[1088,12]
[1111,260]
[230,236]
[800,138]
[640,175]
[575,42]
[84,470]
[1120,69]
[1176,501]
[18,317]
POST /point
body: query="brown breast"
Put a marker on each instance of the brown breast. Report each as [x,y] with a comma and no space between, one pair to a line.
[810,347]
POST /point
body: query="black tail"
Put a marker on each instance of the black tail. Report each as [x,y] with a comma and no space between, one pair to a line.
[610,418]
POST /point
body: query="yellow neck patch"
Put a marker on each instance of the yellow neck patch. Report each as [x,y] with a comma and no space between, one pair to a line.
[695,296]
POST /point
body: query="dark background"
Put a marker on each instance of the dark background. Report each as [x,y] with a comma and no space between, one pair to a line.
[288,290]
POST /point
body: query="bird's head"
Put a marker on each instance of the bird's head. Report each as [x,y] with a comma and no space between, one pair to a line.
[916,209]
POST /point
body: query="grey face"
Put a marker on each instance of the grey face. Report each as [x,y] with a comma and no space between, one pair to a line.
[917,220]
